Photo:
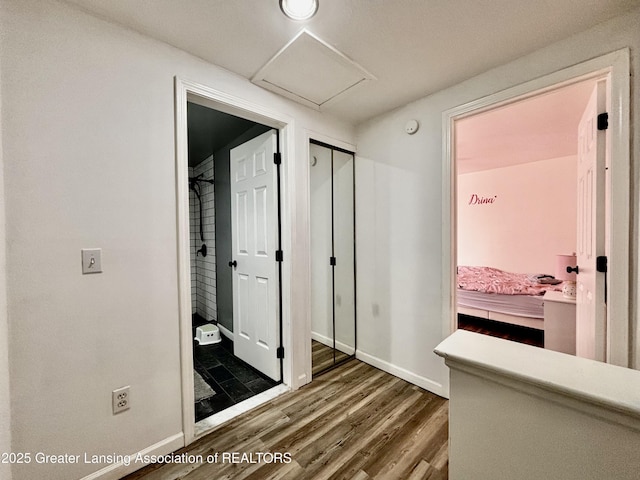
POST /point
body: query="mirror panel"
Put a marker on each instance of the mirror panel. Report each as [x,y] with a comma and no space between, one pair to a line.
[331,180]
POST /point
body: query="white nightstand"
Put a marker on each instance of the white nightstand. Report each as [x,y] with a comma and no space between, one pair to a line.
[559,323]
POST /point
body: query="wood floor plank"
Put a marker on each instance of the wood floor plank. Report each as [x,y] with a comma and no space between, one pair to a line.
[353,422]
[407,441]
[352,441]
[324,357]
[409,449]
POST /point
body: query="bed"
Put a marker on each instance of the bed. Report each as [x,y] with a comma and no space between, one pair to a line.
[493,294]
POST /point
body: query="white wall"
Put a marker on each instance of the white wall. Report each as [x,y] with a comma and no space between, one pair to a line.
[399,205]
[531,219]
[5,410]
[89,154]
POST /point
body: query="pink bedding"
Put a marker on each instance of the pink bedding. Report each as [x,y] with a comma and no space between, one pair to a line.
[493,280]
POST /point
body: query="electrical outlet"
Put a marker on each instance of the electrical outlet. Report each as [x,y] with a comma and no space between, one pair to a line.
[121,399]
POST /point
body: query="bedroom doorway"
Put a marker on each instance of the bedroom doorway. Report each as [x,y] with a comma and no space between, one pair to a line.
[514,210]
[505,158]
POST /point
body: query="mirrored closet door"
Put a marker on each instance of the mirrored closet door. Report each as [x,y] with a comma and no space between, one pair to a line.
[333,316]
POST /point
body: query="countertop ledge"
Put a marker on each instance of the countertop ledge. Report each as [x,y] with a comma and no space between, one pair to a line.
[598,383]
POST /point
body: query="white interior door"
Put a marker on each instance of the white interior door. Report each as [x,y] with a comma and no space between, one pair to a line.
[591,306]
[254,239]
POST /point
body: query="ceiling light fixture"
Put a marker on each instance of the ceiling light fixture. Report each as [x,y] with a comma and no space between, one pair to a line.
[299,9]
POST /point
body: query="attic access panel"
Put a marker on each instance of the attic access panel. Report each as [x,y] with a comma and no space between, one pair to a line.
[310,71]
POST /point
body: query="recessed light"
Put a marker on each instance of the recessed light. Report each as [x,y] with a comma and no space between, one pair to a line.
[299,9]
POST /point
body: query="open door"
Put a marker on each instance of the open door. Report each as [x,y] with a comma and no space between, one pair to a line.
[254,240]
[591,301]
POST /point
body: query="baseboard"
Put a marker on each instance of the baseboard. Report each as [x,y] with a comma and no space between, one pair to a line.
[343,347]
[399,372]
[227,333]
[120,469]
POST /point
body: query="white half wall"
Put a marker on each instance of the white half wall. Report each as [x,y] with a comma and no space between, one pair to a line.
[530,218]
[399,203]
[522,412]
[88,124]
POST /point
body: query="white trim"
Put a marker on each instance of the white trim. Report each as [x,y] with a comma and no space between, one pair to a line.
[204,427]
[226,332]
[334,142]
[614,66]
[399,372]
[260,80]
[209,97]
[593,387]
[119,470]
[343,347]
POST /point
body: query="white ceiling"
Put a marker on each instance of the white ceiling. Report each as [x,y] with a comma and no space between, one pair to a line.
[412,47]
[538,128]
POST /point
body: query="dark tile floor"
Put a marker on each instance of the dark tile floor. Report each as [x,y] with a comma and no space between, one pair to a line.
[232,379]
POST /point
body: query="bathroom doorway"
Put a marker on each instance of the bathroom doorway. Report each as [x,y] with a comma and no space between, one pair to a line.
[233,236]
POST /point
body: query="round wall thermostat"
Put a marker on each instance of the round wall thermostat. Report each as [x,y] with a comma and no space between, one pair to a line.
[411,127]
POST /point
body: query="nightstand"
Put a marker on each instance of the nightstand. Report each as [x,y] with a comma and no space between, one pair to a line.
[559,323]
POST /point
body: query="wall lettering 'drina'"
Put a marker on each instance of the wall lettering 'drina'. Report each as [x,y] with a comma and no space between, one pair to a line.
[479,200]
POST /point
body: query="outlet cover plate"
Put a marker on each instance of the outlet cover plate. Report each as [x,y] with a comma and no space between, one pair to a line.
[121,399]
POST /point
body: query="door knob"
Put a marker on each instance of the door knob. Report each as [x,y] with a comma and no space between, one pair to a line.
[233,264]
[573,269]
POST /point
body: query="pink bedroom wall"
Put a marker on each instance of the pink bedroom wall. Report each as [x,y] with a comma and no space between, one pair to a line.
[518,218]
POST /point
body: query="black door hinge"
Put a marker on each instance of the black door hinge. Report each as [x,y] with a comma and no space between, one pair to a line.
[280,352]
[332,261]
[277,158]
[279,256]
[601,264]
[603,121]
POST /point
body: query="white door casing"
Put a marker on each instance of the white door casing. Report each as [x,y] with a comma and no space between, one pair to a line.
[591,304]
[254,243]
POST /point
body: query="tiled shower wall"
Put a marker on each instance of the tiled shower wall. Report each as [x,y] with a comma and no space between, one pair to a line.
[193,225]
[203,269]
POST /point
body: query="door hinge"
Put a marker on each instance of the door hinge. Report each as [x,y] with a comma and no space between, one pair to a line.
[332,261]
[277,158]
[279,256]
[280,352]
[603,121]
[601,264]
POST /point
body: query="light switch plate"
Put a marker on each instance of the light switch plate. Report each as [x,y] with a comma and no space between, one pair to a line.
[91,260]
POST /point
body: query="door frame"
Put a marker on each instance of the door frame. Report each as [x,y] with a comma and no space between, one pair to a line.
[615,68]
[186,90]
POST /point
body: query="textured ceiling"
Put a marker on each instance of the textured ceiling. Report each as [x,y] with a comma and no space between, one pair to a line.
[413,47]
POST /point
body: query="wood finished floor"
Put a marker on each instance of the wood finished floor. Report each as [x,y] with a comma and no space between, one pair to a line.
[322,357]
[354,422]
[515,333]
